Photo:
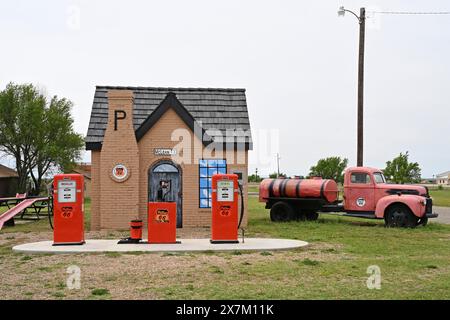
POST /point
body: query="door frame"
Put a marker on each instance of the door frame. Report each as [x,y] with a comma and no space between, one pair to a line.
[180,191]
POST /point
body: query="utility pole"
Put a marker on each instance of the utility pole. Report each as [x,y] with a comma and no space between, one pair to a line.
[360,142]
[360,118]
[278,165]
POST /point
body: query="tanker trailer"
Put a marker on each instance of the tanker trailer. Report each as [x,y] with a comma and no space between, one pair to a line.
[290,199]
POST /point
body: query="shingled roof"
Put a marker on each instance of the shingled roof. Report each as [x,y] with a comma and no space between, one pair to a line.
[214,110]
[6,172]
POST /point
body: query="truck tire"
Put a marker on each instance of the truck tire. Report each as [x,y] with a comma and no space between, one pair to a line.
[423,221]
[281,212]
[312,216]
[399,215]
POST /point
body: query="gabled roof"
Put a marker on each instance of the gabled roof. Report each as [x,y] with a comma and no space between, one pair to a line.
[6,172]
[213,110]
[82,168]
[445,174]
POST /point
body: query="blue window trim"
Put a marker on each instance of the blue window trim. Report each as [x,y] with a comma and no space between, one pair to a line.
[205,163]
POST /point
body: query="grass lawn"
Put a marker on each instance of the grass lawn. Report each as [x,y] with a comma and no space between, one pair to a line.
[253,187]
[414,264]
[441,198]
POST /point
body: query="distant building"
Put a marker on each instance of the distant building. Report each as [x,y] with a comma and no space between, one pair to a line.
[428,181]
[85,170]
[8,181]
[443,178]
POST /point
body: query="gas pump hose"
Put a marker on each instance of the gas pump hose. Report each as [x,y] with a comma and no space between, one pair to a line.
[242,206]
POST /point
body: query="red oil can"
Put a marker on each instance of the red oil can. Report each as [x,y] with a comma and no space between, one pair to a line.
[136,230]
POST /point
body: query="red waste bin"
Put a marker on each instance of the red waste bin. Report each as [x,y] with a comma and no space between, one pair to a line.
[136,230]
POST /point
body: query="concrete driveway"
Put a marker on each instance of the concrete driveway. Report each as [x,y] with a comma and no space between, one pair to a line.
[444,215]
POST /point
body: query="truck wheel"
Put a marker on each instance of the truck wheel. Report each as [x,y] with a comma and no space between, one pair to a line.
[281,211]
[423,221]
[300,216]
[312,216]
[400,216]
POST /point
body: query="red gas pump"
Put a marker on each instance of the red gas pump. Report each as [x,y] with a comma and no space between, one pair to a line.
[224,223]
[68,209]
[162,222]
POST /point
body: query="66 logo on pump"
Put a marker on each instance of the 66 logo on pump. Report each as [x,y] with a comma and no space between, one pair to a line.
[162,216]
[225,211]
[67,212]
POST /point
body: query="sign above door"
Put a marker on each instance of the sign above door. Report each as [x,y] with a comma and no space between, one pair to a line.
[164,152]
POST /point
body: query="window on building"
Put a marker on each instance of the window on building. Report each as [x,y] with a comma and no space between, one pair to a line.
[208,168]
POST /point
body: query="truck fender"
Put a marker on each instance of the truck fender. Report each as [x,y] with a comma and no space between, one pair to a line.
[414,202]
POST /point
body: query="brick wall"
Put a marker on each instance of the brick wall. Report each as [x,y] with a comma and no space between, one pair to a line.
[119,200]
[95,190]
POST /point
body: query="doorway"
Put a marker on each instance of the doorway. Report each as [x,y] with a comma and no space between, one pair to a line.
[164,184]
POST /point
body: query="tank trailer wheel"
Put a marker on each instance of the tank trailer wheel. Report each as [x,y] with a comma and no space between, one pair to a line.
[400,216]
[312,216]
[281,212]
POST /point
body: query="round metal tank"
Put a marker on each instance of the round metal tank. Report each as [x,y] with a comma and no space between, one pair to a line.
[299,188]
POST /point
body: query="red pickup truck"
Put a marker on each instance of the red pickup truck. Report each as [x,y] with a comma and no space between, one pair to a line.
[366,195]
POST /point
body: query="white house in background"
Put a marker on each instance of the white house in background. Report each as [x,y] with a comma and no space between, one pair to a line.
[443,178]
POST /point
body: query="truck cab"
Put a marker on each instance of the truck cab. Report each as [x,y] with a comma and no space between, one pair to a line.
[366,194]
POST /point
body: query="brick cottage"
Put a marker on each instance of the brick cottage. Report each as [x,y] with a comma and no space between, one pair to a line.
[140,137]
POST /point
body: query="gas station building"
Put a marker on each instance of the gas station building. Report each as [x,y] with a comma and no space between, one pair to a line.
[144,138]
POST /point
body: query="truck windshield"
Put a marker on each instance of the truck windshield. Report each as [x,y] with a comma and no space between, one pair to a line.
[379,177]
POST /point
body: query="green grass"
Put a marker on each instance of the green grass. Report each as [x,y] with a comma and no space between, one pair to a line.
[441,198]
[413,262]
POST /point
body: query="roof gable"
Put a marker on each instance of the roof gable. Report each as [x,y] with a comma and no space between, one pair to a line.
[171,101]
[6,172]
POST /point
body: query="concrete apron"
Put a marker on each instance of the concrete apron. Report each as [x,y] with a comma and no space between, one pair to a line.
[186,245]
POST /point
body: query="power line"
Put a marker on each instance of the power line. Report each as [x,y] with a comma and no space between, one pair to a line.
[411,12]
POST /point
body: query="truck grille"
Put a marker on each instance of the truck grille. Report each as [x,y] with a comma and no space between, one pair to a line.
[429,206]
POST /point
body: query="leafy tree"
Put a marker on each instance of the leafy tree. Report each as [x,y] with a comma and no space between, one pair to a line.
[330,168]
[275,175]
[37,132]
[254,178]
[400,170]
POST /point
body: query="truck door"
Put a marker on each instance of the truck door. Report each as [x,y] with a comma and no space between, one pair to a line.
[359,192]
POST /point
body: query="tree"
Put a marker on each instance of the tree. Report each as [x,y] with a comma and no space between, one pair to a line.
[37,132]
[275,175]
[18,106]
[400,170]
[330,168]
[254,177]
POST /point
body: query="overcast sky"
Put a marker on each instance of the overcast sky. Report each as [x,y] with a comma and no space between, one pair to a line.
[297,60]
